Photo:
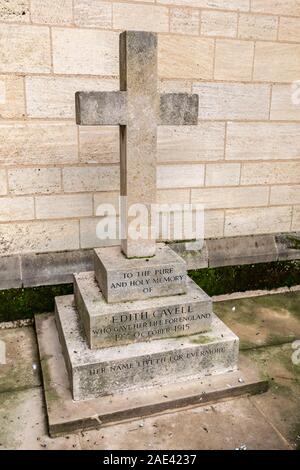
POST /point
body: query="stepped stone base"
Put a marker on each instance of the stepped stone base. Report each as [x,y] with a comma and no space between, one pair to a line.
[66,415]
[95,373]
[121,279]
[140,320]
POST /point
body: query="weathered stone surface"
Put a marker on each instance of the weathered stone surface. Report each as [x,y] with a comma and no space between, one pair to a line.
[226,198]
[241,250]
[95,373]
[195,259]
[21,369]
[12,100]
[184,21]
[53,96]
[171,196]
[10,272]
[276,62]
[215,23]
[57,142]
[288,246]
[289,29]
[174,86]
[240,5]
[52,11]
[296,219]
[280,195]
[222,174]
[25,48]
[213,223]
[101,108]
[15,11]
[138,75]
[270,173]
[23,425]
[183,143]
[93,14]
[39,237]
[21,208]
[283,107]
[142,320]
[180,176]
[34,180]
[121,279]
[258,27]
[276,7]
[258,220]
[185,57]
[99,144]
[179,109]
[233,60]
[85,51]
[140,17]
[263,141]
[54,268]
[88,233]
[3,183]
[138,137]
[233,101]
[93,178]
[64,206]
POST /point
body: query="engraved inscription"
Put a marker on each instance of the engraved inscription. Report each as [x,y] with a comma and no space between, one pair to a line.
[153,323]
[166,359]
[147,279]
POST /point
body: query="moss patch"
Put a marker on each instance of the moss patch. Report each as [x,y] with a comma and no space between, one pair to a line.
[16,304]
[229,279]
[294,242]
[202,339]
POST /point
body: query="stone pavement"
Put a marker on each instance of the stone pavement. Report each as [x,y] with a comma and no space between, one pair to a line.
[267,327]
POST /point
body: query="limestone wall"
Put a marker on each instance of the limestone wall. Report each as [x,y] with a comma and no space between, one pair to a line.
[242,160]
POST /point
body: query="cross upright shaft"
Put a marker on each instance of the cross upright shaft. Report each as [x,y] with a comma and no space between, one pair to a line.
[138,109]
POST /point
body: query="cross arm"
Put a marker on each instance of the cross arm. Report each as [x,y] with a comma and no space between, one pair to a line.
[177,109]
[94,108]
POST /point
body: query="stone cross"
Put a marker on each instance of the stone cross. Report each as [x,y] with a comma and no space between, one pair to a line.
[138,109]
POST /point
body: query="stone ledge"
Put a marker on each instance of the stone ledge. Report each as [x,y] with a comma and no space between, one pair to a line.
[32,270]
[234,251]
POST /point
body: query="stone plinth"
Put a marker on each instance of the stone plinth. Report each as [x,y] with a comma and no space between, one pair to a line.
[66,415]
[95,373]
[140,320]
[122,279]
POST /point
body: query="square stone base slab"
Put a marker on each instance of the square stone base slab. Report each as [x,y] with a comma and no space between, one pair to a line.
[140,320]
[66,415]
[99,372]
[121,279]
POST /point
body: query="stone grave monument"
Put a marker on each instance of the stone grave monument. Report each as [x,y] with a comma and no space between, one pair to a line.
[137,329]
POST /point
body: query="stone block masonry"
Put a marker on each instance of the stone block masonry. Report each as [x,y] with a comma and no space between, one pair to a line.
[241,57]
[95,373]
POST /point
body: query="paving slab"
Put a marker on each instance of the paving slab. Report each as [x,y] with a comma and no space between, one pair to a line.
[262,321]
[223,426]
[22,368]
[23,423]
[281,405]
